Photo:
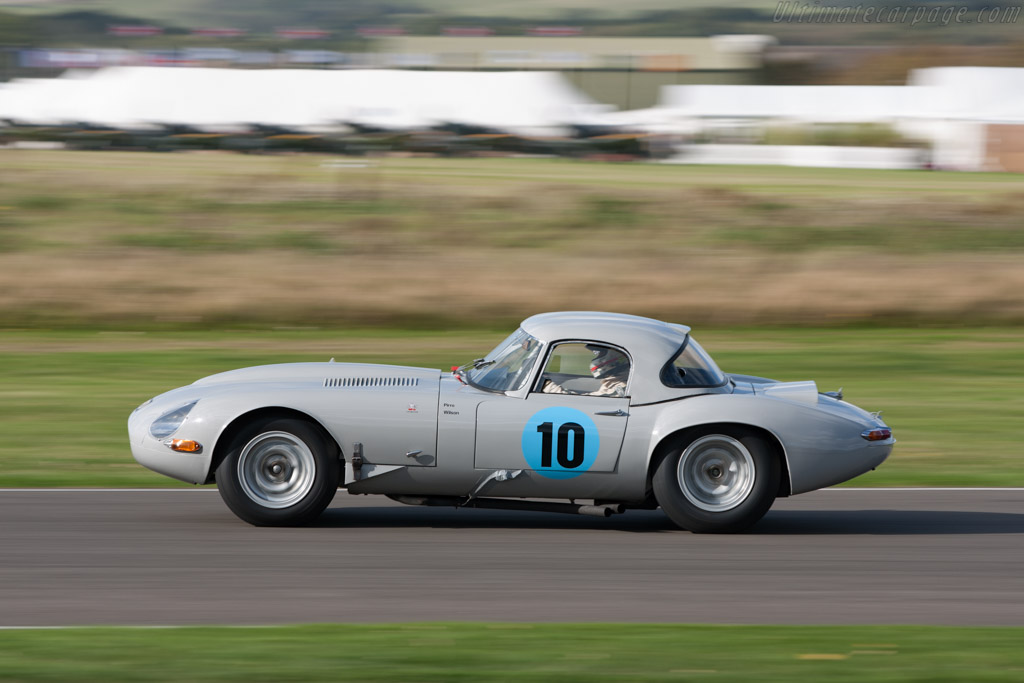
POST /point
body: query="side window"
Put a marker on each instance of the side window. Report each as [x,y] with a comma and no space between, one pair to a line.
[585,369]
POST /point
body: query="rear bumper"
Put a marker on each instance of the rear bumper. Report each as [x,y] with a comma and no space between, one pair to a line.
[851,459]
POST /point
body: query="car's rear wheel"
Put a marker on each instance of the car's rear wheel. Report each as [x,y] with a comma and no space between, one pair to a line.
[717,480]
[279,472]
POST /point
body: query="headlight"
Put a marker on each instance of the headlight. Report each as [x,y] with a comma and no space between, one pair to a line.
[168,423]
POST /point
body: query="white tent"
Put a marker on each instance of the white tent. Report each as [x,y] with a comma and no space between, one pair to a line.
[224,99]
[974,93]
[965,101]
[950,107]
[45,101]
[798,103]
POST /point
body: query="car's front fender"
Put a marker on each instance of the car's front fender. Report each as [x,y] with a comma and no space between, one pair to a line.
[214,410]
[390,421]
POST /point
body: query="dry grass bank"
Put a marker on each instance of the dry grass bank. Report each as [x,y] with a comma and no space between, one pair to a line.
[143,239]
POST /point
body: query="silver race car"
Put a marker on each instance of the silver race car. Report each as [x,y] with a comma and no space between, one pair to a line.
[588,413]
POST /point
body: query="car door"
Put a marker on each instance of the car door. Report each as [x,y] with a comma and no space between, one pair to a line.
[557,435]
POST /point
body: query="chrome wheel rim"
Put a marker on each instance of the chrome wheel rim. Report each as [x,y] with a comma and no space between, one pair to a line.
[276,469]
[716,473]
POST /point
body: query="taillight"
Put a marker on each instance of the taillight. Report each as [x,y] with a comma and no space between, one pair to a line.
[877,434]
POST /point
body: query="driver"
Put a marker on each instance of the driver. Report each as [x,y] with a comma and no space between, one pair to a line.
[609,366]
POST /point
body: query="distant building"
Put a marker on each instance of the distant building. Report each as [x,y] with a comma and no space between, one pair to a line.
[957,118]
[625,72]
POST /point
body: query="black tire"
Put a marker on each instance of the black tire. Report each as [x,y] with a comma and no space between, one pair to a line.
[279,472]
[717,480]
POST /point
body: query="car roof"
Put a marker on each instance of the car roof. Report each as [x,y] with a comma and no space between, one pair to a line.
[651,344]
[638,335]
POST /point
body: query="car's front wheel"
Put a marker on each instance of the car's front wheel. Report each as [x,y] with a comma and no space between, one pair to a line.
[279,472]
[717,480]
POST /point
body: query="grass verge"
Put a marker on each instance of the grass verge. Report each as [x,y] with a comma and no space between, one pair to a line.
[515,652]
[951,395]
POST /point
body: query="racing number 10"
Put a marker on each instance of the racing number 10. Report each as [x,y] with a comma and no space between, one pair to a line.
[565,458]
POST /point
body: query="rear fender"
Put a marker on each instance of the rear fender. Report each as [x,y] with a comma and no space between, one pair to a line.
[769,417]
[683,436]
[819,447]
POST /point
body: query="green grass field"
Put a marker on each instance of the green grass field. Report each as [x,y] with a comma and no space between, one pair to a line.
[517,652]
[952,396]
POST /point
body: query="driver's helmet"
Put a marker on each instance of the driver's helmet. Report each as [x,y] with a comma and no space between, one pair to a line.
[608,363]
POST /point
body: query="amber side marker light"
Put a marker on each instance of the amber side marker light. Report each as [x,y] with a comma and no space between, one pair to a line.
[880,434]
[185,446]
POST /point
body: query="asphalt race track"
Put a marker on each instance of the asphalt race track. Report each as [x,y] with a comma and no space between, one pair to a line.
[842,556]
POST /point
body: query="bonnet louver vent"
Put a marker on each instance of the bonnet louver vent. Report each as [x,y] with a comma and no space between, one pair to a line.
[359,382]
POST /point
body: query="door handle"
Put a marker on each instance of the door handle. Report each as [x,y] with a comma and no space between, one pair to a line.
[614,413]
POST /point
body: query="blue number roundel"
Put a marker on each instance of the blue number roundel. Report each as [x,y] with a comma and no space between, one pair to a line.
[560,443]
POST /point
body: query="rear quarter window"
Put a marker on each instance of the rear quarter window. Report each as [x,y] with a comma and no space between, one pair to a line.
[692,367]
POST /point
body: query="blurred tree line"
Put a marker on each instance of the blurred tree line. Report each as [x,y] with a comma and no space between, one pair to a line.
[343,19]
[807,52]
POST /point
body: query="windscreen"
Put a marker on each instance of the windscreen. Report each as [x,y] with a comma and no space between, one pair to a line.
[508,366]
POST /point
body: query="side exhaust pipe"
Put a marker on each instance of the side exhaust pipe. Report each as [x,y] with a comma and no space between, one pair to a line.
[603,510]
